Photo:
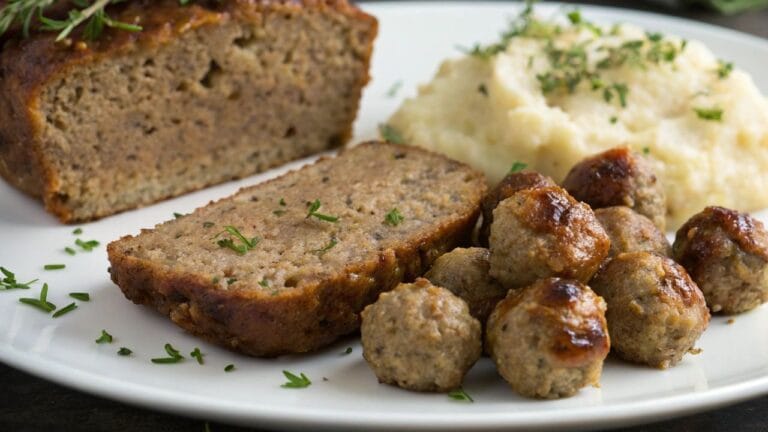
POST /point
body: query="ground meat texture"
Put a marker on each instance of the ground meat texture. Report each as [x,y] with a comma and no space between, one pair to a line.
[655,310]
[510,184]
[420,337]
[726,253]
[465,272]
[549,339]
[542,232]
[619,177]
[631,232]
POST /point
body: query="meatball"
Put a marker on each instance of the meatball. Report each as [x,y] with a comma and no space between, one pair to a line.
[619,177]
[549,339]
[630,231]
[655,311]
[726,253]
[420,337]
[465,273]
[510,184]
[542,232]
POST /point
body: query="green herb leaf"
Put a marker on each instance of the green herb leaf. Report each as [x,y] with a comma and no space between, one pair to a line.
[347,351]
[646,150]
[724,69]
[123,351]
[282,202]
[178,215]
[460,395]
[294,381]
[327,247]
[42,302]
[9,281]
[393,217]
[66,309]
[174,356]
[390,134]
[482,89]
[69,250]
[229,368]
[264,283]
[82,296]
[197,355]
[87,245]
[77,231]
[313,212]
[54,266]
[394,88]
[104,338]
[208,224]
[245,245]
[517,166]
[710,114]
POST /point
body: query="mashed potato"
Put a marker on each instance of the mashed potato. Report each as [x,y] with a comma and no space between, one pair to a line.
[491,111]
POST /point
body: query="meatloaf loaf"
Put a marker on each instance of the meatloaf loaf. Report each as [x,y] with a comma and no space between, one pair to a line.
[205,93]
[287,266]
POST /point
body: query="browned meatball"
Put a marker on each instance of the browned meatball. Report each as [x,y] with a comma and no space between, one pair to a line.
[619,177]
[549,339]
[510,184]
[655,311]
[542,232]
[630,231]
[465,273]
[420,337]
[726,253]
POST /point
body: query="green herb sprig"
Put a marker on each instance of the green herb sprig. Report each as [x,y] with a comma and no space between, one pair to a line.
[709,114]
[41,302]
[104,338]
[174,356]
[9,281]
[460,395]
[393,217]
[294,381]
[314,206]
[245,245]
[390,134]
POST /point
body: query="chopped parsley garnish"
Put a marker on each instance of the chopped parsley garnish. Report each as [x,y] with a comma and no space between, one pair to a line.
[390,134]
[77,231]
[710,114]
[104,338]
[313,212]
[282,202]
[724,69]
[327,247]
[392,92]
[69,250]
[123,351]
[178,215]
[646,150]
[9,281]
[278,212]
[613,119]
[393,217]
[229,368]
[208,224]
[173,356]
[54,266]
[347,351]
[245,245]
[82,296]
[482,89]
[66,309]
[230,281]
[87,245]
[197,355]
[517,166]
[264,283]
[460,395]
[294,381]
[42,302]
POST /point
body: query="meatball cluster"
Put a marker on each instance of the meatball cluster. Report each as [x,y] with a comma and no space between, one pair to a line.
[726,253]
[549,339]
[630,231]
[420,337]
[655,311]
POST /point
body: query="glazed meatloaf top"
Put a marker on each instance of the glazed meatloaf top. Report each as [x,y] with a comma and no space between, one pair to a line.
[336,232]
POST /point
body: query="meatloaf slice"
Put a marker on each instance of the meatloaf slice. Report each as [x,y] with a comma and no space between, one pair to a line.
[207,92]
[380,214]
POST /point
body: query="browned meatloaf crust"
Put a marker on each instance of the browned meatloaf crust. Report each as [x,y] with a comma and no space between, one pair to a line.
[207,92]
[307,279]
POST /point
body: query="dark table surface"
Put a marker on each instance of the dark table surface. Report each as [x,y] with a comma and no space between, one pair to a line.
[28,403]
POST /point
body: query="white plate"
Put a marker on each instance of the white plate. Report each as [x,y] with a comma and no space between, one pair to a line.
[414,38]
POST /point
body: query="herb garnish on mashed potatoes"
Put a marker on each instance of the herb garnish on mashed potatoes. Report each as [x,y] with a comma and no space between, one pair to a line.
[550,93]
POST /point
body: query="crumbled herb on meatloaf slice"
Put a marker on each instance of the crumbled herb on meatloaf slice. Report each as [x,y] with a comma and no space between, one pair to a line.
[287,265]
[205,93]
